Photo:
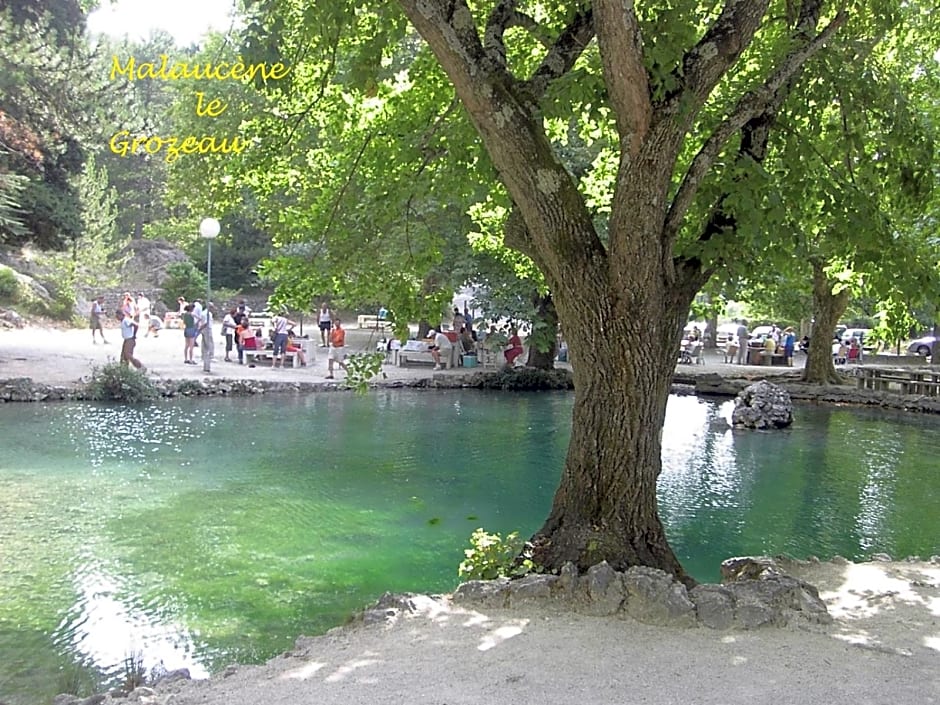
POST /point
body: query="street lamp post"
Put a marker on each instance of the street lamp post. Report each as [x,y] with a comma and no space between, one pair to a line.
[208,229]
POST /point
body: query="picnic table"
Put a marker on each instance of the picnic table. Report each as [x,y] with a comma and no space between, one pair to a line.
[906,381]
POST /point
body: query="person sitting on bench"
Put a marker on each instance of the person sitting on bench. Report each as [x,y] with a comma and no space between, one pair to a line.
[440,343]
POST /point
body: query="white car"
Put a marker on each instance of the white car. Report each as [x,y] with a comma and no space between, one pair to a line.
[726,332]
[761,332]
[860,333]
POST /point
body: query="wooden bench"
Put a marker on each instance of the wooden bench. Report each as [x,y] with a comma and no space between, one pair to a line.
[774,360]
[447,360]
[371,322]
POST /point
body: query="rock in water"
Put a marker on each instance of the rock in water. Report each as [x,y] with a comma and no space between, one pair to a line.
[762,405]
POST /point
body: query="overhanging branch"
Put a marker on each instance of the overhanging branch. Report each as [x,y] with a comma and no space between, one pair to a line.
[766,99]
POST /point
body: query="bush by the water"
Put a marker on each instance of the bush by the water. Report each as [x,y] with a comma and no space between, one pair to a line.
[117,382]
[524,379]
[492,556]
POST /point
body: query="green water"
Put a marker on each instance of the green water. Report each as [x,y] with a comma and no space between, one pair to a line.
[204,532]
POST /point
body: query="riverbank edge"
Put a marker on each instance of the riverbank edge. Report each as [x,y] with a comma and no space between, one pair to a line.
[24,389]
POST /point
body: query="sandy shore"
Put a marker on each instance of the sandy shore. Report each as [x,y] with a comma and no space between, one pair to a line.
[884,646]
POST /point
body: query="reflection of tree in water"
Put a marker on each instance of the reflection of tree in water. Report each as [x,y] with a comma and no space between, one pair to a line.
[703,490]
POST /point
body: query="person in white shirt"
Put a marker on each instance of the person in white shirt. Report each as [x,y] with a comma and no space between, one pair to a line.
[325,320]
[204,326]
[228,330]
[143,310]
[281,325]
[442,345]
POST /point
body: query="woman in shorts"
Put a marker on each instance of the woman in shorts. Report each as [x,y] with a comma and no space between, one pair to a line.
[189,335]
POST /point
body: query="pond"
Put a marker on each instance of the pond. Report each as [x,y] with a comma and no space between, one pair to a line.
[204,532]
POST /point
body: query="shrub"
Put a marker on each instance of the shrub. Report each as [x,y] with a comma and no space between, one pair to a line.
[183,279]
[117,382]
[9,286]
[491,556]
[361,368]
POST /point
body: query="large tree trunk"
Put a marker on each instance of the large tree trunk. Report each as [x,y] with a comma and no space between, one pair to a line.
[828,308]
[606,507]
[543,342]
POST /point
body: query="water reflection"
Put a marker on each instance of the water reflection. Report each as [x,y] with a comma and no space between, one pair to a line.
[99,433]
[109,625]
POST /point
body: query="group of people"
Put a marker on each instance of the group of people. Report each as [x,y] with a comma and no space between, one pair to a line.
[844,352]
[777,342]
[472,341]
[197,322]
[131,313]
[135,313]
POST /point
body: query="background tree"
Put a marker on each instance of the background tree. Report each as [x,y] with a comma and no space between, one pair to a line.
[45,92]
[142,108]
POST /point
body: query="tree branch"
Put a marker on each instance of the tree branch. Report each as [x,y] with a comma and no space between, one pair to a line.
[621,47]
[765,100]
[504,16]
[707,62]
[563,53]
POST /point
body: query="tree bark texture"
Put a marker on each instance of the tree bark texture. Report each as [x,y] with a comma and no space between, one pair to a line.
[828,308]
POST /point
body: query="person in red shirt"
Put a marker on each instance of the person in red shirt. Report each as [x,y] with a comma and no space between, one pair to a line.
[337,347]
[514,347]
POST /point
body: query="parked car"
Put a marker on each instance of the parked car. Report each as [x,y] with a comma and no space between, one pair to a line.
[922,346]
[726,331]
[860,333]
[761,332]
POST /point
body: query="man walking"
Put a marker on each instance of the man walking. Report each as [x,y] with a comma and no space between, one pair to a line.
[337,348]
[97,313]
[742,342]
[129,334]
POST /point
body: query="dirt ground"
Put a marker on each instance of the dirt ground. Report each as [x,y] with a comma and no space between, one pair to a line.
[65,357]
[883,648]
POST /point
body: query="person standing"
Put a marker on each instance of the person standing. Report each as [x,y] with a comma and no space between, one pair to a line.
[143,311]
[337,348]
[97,313]
[742,342]
[228,330]
[205,329]
[789,343]
[129,334]
[459,321]
[197,314]
[243,333]
[325,320]
[280,325]
[189,334]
